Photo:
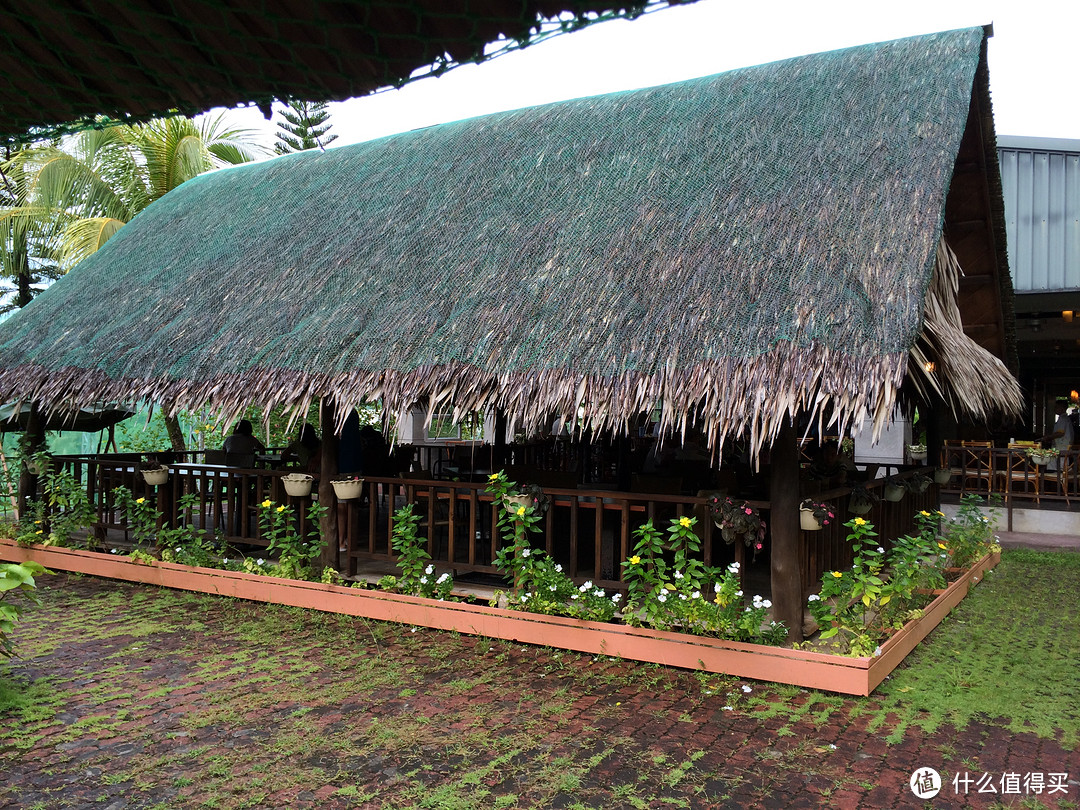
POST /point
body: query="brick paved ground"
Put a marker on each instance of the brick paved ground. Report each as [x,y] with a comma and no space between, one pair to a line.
[153,698]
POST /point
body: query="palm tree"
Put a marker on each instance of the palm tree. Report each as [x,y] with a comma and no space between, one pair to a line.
[100,179]
[90,186]
[26,260]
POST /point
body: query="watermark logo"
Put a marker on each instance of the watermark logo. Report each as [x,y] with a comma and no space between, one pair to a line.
[925,783]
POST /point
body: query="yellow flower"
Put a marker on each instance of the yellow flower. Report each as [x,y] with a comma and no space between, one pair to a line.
[140,500]
[837,574]
[267,503]
[924,513]
[943,547]
[940,513]
[521,511]
[281,508]
[684,521]
[860,522]
[39,531]
[635,560]
[493,477]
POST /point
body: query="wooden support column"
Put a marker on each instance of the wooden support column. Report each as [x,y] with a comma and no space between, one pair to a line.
[34,442]
[328,523]
[932,415]
[787,595]
[498,445]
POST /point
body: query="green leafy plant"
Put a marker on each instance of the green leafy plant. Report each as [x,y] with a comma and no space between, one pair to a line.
[142,517]
[823,512]
[738,520]
[187,544]
[418,576]
[15,577]
[970,535]
[295,551]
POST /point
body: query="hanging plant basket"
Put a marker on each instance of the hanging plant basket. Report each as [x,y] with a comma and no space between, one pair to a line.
[515,502]
[894,492]
[37,467]
[942,476]
[156,477]
[807,521]
[297,485]
[919,484]
[348,488]
[860,506]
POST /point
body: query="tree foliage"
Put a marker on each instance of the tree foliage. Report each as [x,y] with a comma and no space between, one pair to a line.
[304,126]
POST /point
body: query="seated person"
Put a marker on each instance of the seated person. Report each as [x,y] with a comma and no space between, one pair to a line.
[305,450]
[243,441]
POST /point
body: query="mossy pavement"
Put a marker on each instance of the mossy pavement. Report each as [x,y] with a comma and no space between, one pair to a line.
[130,696]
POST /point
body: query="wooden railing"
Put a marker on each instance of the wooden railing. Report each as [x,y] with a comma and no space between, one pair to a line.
[589,532]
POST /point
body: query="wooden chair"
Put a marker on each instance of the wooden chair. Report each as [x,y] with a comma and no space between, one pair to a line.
[977,464]
[1017,472]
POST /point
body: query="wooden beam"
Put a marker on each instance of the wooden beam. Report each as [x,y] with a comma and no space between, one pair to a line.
[328,522]
[787,595]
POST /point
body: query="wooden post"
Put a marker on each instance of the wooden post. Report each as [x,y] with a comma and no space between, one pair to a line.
[787,595]
[498,444]
[328,523]
[34,441]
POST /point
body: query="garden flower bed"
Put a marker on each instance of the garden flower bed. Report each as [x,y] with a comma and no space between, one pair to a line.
[857,676]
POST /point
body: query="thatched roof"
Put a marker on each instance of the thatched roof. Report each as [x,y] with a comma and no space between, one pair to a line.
[732,248]
[64,63]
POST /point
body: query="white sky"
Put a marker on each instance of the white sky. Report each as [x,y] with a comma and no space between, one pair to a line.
[1034,60]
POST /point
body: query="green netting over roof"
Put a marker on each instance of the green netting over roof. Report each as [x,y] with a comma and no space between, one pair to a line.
[737,246]
[66,63]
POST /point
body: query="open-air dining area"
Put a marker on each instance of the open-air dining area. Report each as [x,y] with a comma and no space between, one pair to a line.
[676,468]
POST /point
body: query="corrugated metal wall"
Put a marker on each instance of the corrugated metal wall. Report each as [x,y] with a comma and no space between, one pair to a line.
[1041,181]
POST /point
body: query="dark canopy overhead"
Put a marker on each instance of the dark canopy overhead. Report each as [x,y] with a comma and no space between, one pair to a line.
[731,249]
[64,63]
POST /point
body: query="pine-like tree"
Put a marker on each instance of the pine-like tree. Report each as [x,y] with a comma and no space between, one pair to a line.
[304,127]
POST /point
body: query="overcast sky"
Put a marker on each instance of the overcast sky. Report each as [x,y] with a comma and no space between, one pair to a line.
[1034,60]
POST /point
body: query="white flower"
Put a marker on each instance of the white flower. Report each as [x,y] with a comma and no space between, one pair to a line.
[716,588]
[747,689]
[813,598]
[738,593]
[599,592]
[682,596]
[733,568]
[695,595]
[765,603]
[552,588]
[558,567]
[225,561]
[728,709]
[442,579]
[587,585]
[678,575]
[524,597]
[877,652]
[430,569]
[880,550]
[260,561]
[832,746]
[616,598]
[423,580]
[574,596]
[412,630]
[662,597]
[178,549]
[525,552]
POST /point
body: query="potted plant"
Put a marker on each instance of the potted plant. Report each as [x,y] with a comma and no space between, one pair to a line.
[298,485]
[862,500]
[942,475]
[38,464]
[737,520]
[1041,456]
[347,488]
[514,502]
[917,483]
[154,473]
[917,452]
[894,488]
[813,515]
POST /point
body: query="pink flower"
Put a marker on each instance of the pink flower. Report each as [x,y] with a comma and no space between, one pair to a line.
[830,514]
[749,511]
[759,546]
